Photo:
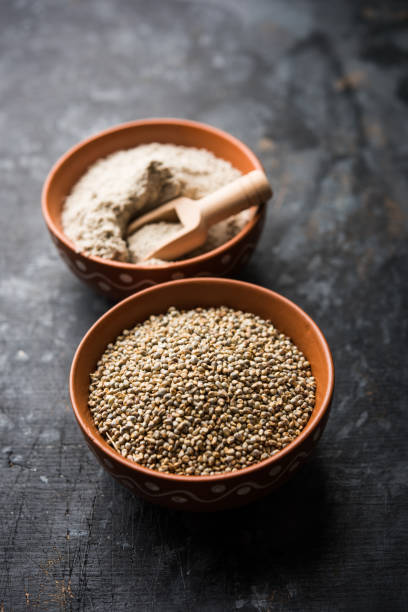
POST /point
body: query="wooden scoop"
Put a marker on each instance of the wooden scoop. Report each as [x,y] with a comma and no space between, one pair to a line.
[197,216]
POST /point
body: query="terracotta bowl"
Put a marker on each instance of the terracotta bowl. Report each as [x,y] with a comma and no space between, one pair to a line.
[118,280]
[205,493]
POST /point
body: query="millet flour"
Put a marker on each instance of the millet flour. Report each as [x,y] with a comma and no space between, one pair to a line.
[128,183]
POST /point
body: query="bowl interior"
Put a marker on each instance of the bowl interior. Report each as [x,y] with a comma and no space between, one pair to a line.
[180,132]
[285,315]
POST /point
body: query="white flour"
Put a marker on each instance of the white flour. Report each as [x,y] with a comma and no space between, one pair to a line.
[128,183]
[148,238]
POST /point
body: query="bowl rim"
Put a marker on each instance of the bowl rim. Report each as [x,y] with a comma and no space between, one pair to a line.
[184,478]
[119,265]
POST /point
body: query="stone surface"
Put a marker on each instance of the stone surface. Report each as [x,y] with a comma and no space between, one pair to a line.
[319,91]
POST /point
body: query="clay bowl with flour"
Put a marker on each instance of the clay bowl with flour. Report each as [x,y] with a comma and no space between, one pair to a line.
[118,280]
[221,491]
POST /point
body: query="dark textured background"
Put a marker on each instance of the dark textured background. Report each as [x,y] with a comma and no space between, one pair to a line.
[319,90]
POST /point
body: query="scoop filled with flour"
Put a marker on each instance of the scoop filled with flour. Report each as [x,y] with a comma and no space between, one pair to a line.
[129,183]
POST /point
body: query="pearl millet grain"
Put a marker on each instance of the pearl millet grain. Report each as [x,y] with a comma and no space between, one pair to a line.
[201,391]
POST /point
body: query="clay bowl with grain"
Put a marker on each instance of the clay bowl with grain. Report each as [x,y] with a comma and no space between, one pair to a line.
[118,280]
[221,491]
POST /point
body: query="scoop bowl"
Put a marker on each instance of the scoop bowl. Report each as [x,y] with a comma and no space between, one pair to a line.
[116,279]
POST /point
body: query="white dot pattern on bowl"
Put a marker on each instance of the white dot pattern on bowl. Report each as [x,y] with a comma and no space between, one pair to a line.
[125,278]
[294,465]
[178,499]
[152,486]
[218,491]
[80,265]
[243,490]
[103,286]
[218,488]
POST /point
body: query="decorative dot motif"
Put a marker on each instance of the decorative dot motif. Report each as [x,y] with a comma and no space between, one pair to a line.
[243,490]
[152,486]
[275,470]
[80,265]
[127,482]
[125,278]
[177,275]
[294,466]
[218,488]
[316,434]
[103,286]
[179,499]
[226,259]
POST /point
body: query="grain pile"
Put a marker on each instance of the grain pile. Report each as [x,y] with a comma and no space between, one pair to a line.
[201,392]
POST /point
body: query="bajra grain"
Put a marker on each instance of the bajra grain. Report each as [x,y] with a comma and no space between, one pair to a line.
[201,391]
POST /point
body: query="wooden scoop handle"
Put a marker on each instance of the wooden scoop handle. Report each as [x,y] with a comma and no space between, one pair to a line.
[249,190]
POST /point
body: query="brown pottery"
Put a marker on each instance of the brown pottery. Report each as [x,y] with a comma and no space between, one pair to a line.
[118,280]
[205,493]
